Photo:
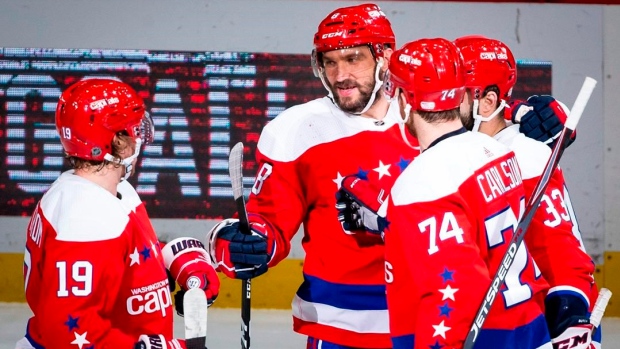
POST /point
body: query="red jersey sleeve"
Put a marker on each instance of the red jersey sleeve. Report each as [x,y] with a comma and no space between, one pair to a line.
[552,234]
[277,197]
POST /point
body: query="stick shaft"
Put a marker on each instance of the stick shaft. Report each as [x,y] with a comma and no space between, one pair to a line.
[235,168]
[195,307]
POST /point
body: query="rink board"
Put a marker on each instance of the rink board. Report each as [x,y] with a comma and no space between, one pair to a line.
[276,288]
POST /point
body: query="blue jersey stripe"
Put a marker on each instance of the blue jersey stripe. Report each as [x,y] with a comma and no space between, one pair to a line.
[530,336]
[353,297]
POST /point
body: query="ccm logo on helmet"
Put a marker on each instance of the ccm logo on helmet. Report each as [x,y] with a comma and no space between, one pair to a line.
[98,104]
[493,55]
[332,35]
[150,302]
[376,14]
[409,60]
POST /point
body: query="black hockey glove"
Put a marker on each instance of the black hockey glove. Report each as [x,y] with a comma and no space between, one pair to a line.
[568,322]
[238,255]
[541,118]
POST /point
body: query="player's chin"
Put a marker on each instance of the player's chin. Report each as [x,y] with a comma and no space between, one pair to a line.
[351,104]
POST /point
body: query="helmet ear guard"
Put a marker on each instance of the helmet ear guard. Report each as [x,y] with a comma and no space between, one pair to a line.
[388,88]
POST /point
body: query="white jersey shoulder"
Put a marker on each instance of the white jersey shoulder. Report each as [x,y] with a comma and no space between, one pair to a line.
[531,154]
[80,210]
[304,126]
[129,197]
[440,170]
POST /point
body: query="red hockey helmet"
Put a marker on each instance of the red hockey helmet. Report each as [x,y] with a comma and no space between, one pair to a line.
[487,62]
[430,72]
[352,26]
[91,112]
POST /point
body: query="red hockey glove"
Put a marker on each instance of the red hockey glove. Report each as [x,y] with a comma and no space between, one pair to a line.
[189,265]
[238,255]
[575,337]
[359,204]
[541,118]
[159,342]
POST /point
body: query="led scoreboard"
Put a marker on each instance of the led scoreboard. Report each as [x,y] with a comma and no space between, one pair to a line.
[202,103]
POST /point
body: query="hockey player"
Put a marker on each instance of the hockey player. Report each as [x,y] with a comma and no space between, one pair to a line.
[451,214]
[553,234]
[94,273]
[303,154]
[341,303]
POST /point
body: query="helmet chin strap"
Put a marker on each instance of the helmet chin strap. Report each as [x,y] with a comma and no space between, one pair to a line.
[478,118]
[402,122]
[378,84]
[128,161]
[330,94]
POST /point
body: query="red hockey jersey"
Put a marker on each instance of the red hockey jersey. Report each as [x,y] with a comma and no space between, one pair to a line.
[303,154]
[451,214]
[554,231]
[93,272]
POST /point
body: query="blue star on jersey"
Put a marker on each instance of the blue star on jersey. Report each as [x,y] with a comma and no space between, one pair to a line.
[403,163]
[72,323]
[146,253]
[444,310]
[361,173]
[447,275]
[436,345]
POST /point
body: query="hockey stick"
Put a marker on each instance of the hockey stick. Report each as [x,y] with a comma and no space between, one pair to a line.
[530,210]
[235,168]
[599,308]
[195,315]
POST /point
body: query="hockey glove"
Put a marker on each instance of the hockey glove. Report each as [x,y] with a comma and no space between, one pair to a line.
[238,255]
[159,342]
[358,203]
[189,265]
[568,322]
[541,118]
